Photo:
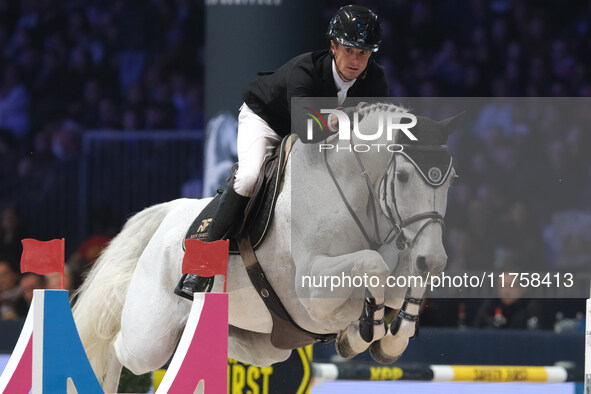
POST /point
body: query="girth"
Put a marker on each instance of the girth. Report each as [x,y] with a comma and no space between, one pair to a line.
[286,334]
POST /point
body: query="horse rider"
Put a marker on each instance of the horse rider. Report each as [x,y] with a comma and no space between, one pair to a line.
[345,69]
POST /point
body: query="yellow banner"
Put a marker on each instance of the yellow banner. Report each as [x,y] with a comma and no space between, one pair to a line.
[475,373]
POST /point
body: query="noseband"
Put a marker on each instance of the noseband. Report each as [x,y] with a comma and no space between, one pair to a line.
[395,221]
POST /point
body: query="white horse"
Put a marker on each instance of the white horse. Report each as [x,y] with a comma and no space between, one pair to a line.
[384,221]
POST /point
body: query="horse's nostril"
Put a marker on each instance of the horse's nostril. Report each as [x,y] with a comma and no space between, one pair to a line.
[422,264]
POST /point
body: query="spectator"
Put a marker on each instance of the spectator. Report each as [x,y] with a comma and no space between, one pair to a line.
[14,102]
[462,255]
[66,142]
[9,152]
[9,291]
[90,117]
[103,230]
[54,280]
[511,309]
[132,120]
[29,282]
[138,30]
[523,235]
[108,114]
[12,232]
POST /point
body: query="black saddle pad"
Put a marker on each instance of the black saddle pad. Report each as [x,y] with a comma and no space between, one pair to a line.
[259,211]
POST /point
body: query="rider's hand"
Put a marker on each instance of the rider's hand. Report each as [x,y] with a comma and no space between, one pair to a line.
[334,122]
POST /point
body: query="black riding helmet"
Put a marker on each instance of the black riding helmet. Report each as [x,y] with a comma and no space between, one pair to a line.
[357,27]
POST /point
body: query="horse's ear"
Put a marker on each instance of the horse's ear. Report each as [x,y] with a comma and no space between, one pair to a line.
[450,124]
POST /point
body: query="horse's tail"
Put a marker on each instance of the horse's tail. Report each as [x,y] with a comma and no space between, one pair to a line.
[100,299]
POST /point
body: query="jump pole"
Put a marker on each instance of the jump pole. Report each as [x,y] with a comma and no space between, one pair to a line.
[445,373]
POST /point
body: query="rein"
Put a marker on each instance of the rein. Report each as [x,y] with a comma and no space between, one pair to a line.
[397,224]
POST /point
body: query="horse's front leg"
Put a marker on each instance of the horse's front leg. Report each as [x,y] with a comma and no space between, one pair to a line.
[360,334]
[360,275]
[404,327]
[405,295]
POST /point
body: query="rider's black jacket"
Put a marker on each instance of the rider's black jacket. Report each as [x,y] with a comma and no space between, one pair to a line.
[307,75]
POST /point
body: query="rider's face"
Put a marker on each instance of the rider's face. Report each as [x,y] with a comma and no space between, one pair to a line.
[351,62]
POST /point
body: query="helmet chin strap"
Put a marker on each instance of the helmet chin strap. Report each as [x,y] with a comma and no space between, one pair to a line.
[341,74]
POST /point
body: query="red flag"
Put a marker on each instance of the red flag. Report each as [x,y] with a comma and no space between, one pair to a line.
[206,258]
[43,257]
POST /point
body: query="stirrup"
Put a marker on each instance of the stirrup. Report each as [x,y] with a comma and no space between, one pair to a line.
[191,283]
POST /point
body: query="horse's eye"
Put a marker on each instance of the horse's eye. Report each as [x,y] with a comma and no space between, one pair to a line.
[402,176]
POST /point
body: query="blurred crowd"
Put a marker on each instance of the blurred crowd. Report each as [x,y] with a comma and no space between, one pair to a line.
[71,65]
[482,48]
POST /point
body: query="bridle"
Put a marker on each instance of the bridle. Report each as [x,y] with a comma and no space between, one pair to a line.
[394,219]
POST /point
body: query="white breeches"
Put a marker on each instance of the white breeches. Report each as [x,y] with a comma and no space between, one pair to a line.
[256,140]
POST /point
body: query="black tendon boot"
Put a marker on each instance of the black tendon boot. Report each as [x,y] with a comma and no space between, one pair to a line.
[226,219]
[367,321]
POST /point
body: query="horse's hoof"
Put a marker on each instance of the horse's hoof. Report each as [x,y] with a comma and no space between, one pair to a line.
[379,356]
[343,347]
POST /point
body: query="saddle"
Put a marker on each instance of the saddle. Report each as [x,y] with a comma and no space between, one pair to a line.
[259,210]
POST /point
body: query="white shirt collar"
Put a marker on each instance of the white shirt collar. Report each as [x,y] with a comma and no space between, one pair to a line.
[342,86]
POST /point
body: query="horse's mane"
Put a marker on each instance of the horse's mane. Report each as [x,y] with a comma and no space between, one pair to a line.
[380,107]
[370,109]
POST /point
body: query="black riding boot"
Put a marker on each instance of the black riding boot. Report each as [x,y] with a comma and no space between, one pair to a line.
[229,214]
[225,220]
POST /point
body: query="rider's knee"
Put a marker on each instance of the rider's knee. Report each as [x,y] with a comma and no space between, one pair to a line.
[245,181]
